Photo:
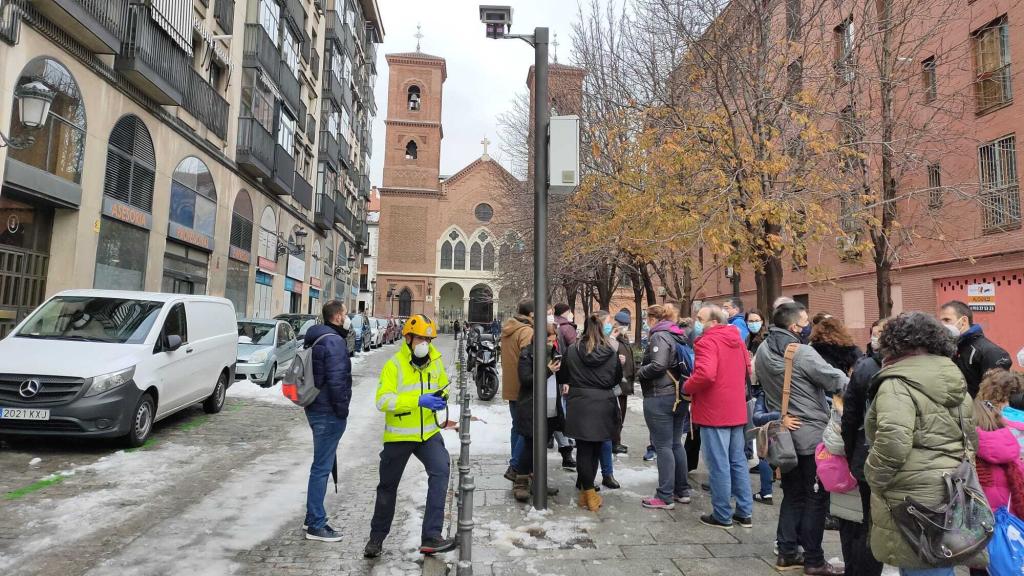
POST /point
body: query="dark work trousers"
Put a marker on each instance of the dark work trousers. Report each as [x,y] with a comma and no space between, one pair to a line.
[856,541]
[588,456]
[617,439]
[393,459]
[692,447]
[802,514]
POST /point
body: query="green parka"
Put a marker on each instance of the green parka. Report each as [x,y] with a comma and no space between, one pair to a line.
[913,429]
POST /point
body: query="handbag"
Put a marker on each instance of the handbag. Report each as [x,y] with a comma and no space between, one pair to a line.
[1006,549]
[774,441]
[956,531]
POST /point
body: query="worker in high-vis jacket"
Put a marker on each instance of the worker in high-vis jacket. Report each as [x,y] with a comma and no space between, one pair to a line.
[413,388]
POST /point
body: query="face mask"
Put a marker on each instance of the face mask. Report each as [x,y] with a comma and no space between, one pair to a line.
[347,324]
[755,327]
[569,317]
[607,329]
[953,330]
[805,332]
[421,350]
[551,318]
[874,343]
[698,328]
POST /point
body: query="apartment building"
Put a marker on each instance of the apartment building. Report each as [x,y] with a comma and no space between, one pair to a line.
[193,146]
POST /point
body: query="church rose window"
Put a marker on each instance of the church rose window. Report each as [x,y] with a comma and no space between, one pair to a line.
[484,212]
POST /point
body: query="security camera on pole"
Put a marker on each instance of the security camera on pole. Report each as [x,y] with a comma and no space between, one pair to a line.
[498,20]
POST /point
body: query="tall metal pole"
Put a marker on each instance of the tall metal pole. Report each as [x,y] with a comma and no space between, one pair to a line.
[540,281]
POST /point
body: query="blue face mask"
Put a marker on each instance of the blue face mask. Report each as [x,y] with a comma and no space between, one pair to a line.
[607,329]
[805,333]
[755,327]
[698,328]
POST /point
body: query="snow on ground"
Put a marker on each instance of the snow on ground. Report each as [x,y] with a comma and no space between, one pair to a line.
[540,532]
[489,430]
[273,395]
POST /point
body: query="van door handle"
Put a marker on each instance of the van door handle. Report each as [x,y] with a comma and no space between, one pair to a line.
[189,350]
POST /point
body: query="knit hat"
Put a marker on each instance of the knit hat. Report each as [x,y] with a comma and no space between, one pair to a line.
[623,318]
[561,309]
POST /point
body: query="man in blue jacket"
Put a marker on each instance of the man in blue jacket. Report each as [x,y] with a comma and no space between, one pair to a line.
[328,414]
[733,308]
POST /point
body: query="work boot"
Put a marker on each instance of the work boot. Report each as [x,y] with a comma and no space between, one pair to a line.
[436,545]
[373,547]
[552,491]
[609,481]
[511,474]
[591,499]
[521,488]
[620,449]
[567,461]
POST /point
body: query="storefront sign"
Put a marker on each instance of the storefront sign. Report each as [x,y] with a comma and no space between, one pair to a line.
[264,278]
[236,253]
[127,213]
[189,236]
[981,297]
[291,285]
[267,265]
[314,293]
[296,268]
[314,282]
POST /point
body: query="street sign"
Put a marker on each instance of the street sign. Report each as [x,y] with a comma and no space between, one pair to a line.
[981,297]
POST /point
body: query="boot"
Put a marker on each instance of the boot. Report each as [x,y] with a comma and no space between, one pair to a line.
[592,500]
[609,482]
[521,488]
[552,491]
[567,461]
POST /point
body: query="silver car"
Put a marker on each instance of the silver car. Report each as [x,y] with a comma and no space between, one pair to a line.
[266,349]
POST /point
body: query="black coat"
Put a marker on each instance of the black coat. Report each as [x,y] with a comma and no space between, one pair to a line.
[629,368]
[975,355]
[332,370]
[842,357]
[524,405]
[592,412]
[855,409]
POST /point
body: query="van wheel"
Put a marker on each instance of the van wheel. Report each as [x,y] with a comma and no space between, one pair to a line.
[142,421]
[215,402]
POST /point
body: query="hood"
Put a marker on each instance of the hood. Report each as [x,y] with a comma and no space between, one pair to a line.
[675,329]
[35,357]
[936,377]
[972,334]
[724,335]
[598,356]
[778,339]
[515,324]
[247,350]
[998,446]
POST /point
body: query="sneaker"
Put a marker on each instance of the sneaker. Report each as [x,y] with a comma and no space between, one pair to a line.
[650,454]
[825,569]
[373,548]
[744,521]
[610,482]
[705,486]
[511,474]
[436,545]
[784,562]
[657,503]
[684,499]
[831,523]
[710,520]
[764,499]
[325,534]
[620,449]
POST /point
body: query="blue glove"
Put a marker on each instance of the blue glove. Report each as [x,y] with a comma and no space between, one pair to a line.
[431,402]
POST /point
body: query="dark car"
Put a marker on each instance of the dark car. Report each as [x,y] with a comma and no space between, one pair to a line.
[299,322]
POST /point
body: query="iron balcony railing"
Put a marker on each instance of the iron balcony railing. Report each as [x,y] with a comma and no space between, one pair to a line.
[291,91]
[329,148]
[202,101]
[323,214]
[310,128]
[224,14]
[335,27]
[255,148]
[152,60]
[343,216]
[259,51]
[302,191]
[307,46]
[100,25]
[364,186]
[1000,209]
[296,13]
[331,86]
[284,172]
[344,152]
[314,64]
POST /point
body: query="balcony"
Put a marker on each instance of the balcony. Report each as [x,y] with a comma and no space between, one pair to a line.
[345,152]
[307,46]
[295,13]
[323,216]
[343,217]
[291,91]
[98,24]
[364,235]
[255,152]
[260,52]
[364,187]
[224,14]
[329,148]
[314,64]
[284,172]
[335,27]
[332,87]
[152,61]
[204,102]
[310,128]
[302,191]
[371,55]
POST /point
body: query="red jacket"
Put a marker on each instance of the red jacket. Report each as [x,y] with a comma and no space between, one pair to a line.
[718,383]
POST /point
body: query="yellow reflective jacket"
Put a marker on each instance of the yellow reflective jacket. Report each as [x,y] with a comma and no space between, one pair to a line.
[398,394]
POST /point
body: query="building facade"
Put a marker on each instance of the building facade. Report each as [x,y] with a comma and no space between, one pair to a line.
[368,274]
[193,146]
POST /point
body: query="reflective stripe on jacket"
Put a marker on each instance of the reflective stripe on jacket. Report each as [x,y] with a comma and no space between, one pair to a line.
[398,393]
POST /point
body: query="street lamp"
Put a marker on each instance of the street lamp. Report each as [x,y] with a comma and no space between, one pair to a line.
[498,21]
[373,297]
[34,99]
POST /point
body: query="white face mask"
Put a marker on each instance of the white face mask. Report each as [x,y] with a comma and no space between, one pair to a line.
[421,350]
[347,324]
[953,330]
[551,318]
[569,317]
[874,343]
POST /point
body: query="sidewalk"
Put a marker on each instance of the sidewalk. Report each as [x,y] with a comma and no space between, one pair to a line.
[623,538]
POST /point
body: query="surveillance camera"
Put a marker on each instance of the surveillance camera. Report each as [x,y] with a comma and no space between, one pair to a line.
[498,20]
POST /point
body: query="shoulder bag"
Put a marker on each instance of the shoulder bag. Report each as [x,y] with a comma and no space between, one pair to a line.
[774,441]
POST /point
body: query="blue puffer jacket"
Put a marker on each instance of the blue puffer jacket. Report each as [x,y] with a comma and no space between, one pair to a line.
[332,371]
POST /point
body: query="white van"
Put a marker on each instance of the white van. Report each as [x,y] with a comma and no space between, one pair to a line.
[110,363]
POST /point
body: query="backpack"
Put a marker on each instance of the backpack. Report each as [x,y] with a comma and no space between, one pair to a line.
[683,367]
[298,384]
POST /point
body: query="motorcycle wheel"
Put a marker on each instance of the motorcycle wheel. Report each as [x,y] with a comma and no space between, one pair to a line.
[487,386]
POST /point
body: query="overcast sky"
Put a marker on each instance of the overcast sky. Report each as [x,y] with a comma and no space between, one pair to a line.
[483,74]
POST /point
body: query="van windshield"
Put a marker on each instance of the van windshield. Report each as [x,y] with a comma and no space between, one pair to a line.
[92,319]
[256,333]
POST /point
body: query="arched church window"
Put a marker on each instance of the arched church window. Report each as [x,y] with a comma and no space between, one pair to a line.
[410,150]
[446,255]
[460,256]
[414,98]
[475,255]
[489,257]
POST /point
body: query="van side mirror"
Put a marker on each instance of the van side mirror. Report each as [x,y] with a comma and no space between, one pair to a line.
[172,343]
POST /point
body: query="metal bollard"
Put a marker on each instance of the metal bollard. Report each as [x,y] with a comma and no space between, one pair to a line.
[465,565]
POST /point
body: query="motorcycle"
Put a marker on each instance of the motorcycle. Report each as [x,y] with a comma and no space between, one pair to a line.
[485,362]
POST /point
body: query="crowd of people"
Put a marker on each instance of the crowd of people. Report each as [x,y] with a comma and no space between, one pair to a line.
[926,394]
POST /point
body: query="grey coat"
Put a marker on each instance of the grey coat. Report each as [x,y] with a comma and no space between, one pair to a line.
[814,380]
[658,358]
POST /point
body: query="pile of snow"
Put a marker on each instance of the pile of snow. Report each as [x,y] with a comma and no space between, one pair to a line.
[489,430]
[541,532]
[252,391]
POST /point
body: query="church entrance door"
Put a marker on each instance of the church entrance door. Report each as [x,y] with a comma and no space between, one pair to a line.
[481,304]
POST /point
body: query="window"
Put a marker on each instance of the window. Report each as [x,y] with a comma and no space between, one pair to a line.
[844,64]
[414,98]
[131,164]
[794,79]
[241,222]
[993,84]
[175,324]
[270,18]
[460,256]
[1000,192]
[337,64]
[346,126]
[268,235]
[121,256]
[934,186]
[315,264]
[185,269]
[237,287]
[410,150]
[290,51]
[333,120]
[483,212]
[59,146]
[193,197]
[489,257]
[446,255]
[257,99]
[931,90]
[405,302]
[475,257]
[286,132]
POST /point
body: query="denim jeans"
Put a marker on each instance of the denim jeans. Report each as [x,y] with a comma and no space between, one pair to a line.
[327,430]
[515,441]
[927,571]
[767,477]
[393,458]
[667,431]
[722,449]
[802,514]
[606,458]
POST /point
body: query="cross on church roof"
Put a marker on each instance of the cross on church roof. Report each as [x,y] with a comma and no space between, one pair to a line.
[486,143]
[419,36]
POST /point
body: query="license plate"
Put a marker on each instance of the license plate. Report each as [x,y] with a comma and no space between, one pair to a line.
[24,414]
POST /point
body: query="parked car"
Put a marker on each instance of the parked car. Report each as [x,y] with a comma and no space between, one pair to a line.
[266,349]
[350,340]
[111,363]
[376,336]
[300,322]
[385,331]
[394,330]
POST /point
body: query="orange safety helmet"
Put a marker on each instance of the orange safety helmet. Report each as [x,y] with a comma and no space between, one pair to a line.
[420,325]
